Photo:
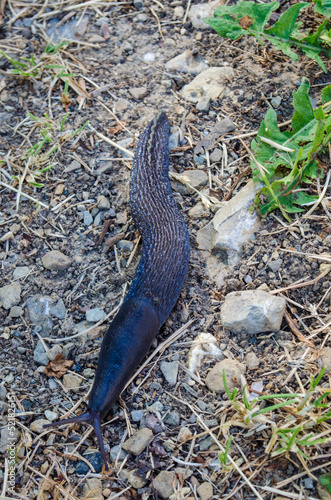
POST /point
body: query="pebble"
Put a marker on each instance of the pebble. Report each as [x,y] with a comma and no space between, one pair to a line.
[53,352]
[276,102]
[38,425]
[93,488]
[3,393]
[326,358]
[138,4]
[56,261]
[275,265]
[203,104]
[210,83]
[170,371]
[21,272]
[51,415]
[59,189]
[142,18]
[138,93]
[179,12]
[94,315]
[121,105]
[199,11]
[95,460]
[117,451]
[74,165]
[149,57]
[163,483]
[174,140]
[10,295]
[184,434]
[205,490]
[187,62]
[9,436]
[103,203]
[254,311]
[58,310]
[98,219]
[206,443]
[102,20]
[39,355]
[139,441]
[198,211]
[71,381]
[172,418]
[233,370]
[16,312]
[252,361]
[136,480]
[125,245]
[196,178]
[88,219]
[137,415]
[157,407]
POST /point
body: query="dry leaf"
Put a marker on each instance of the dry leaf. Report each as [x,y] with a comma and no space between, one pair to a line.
[58,367]
[117,128]
[245,22]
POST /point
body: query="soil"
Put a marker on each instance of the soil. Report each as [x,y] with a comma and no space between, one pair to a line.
[99,276]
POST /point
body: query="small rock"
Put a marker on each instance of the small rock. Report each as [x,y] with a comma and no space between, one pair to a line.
[121,105]
[233,370]
[254,311]
[53,352]
[172,418]
[59,189]
[137,415]
[16,312]
[196,178]
[92,489]
[71,381]
[274,265]
[187,62]
[157,407]
[88,219]
[206,443]
[198,211]
[210,83]
[21,272]
[170,371]
[201,10]
[163,483]
[94,315]
[3,393]
[276,102]
[153,423]
[95,460]
[221,128]
[149,57]
[205,491]
[252,361]
[103,203]
[142,18]
[138,93]
[125,245]
[184,434]
[9,436]
[326,358]
[179,12]
[38,425]
[203,104]
[39,355]
[98,220]
[117,451]
[58,310]
[139,441]
[56,261]
[216,155]
[51,415]
[10,295]
[174,140]
[74,165]
[136,480]
[138,4]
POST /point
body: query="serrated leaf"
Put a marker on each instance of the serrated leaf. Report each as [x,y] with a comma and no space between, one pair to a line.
[326,94]
[303,111]
[323,7]
[283,28]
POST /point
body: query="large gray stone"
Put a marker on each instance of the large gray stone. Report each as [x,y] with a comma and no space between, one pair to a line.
[10,295]
[201,10]
[56,261]
[210,83]
[222,239]
[187,63]
[254,311]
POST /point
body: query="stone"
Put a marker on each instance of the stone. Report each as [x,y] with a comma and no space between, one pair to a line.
[223,238]
[187,62]
[95,459]
[9,436]
[196,178]
[39,355]
[198,211]
[210,83]
[233,370]
[252,361]
[172,418]
[117,451]
[88,219]
[205,491]
[136,480]
[125,245]
[10,295]
[326,358]
[21,272]
[137,415]
[221,128]
[58,310]
[184,434]
[103,203]
[206,443]
[203,104]
[170,371]
[275,265]
[95,315]
[179,12]
[56,261]
[254,311]
[74,165]
[51,415]
[121,105]
[149,57]
[38,425]
[92,489]
[201,10]
[163,483]
[3,393]
[53,352]
[71,381]
[276,101]
[139,441]
[138,93]
[16,312]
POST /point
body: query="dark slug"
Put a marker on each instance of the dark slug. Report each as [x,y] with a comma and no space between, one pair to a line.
[157,282]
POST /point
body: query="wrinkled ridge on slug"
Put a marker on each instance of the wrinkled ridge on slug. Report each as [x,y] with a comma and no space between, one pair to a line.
[157,282]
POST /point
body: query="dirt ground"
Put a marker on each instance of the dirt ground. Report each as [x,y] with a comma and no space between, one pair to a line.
[118,82]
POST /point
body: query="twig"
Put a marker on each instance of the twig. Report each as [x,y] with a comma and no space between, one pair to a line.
[8,186]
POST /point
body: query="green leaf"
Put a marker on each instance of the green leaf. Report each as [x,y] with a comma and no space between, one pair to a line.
[323,7]
[303,113]
[286,23]
[326,94]
[325,481]
[227,19]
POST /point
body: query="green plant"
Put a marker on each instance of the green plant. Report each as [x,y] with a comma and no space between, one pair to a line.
[286,161]
[249,18]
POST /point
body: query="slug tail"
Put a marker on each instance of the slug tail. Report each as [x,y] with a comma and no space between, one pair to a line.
[92,417]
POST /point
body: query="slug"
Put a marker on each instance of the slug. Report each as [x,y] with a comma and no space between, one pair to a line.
[157,282]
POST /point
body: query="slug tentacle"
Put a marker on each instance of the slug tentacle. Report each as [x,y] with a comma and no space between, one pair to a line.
[158,279]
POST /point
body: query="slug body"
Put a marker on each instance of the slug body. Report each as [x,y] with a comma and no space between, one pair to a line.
[157,282]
